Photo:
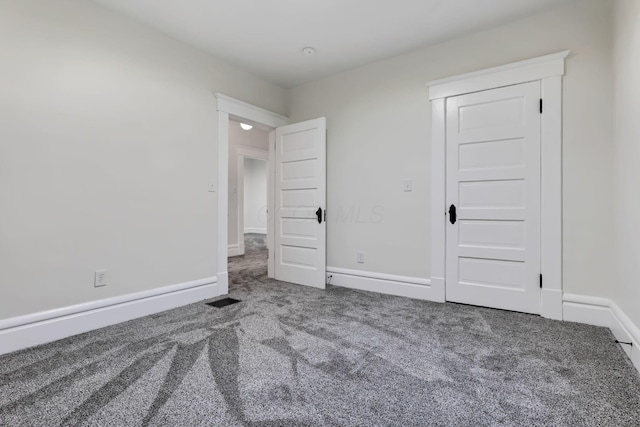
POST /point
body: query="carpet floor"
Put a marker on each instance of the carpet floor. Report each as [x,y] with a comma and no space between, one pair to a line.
[289,355]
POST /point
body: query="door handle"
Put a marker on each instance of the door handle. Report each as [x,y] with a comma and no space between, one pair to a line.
[453,216]
[319,215]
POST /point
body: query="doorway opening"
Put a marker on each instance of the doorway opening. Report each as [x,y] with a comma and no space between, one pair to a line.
[248,196]
[296,184]
[232,110]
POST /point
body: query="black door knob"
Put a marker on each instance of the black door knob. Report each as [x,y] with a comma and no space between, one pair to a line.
[453,216]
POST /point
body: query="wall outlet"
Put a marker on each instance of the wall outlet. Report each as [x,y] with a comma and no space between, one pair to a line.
[100,278]
[360,257]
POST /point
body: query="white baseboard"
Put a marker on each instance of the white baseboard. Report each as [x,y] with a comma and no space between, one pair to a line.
[590,310]
[604,312]
[410,287]
[40,328]
[255,230]
[236,249]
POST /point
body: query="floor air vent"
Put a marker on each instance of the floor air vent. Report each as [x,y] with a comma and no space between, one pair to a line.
[223,302]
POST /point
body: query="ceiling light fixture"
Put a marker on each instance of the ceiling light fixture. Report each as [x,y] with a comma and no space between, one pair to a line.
[308,51]
[246,126]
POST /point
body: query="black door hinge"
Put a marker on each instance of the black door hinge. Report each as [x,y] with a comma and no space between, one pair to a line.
[541,281]
[540,105]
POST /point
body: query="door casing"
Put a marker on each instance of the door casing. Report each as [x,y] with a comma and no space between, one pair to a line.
[227,108]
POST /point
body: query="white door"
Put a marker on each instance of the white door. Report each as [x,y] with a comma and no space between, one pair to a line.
[493,183]
[300,200]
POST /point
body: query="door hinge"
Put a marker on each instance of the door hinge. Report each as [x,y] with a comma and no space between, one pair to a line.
[541,281]
[540,105]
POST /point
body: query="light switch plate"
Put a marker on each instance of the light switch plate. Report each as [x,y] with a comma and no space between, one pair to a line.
[408,185]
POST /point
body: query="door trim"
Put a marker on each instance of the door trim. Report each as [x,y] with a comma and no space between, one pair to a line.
[230,107]
[549,70]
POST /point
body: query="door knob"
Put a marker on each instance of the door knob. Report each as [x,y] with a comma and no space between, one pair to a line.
[453,216]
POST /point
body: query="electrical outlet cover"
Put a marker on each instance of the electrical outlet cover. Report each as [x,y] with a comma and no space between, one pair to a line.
[100,278]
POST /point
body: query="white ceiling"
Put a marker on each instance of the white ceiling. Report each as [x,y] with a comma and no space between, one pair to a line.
[266,37]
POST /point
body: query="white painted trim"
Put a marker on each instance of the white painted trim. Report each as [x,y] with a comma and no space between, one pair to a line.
[551,194]
[227,107]
[606,313]
[255,230]
[271,202]
[380,276]
[223,200]
[625,330]
[243,110]
[235,250]
[549,70]
[504,75]
[438,198]
[585,309]
[252,153]
[410,287]
[47,326]
[551,304]
[239,205]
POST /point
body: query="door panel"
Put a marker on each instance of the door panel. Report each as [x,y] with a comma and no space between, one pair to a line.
[493,179]
[492,234]
[492,273]
[480,156]
[300,182]
[299,228]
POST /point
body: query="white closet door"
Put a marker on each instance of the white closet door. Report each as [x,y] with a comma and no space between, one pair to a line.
[493,183]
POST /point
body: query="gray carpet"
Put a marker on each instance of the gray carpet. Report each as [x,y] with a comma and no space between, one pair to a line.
[290,355]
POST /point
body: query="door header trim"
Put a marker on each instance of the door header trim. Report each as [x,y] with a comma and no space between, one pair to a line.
[532,69]
[240,109]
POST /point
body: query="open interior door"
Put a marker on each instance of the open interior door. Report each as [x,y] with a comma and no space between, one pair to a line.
[300,201]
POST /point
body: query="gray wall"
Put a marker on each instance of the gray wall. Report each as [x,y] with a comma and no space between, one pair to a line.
[255,195]
[378,120]
[626,161]
[107,149]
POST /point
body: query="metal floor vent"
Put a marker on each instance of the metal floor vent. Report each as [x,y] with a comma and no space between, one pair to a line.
[223,302]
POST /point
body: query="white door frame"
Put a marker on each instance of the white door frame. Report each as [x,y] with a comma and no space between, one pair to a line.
[229,107]
[549,70]
[242,153]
